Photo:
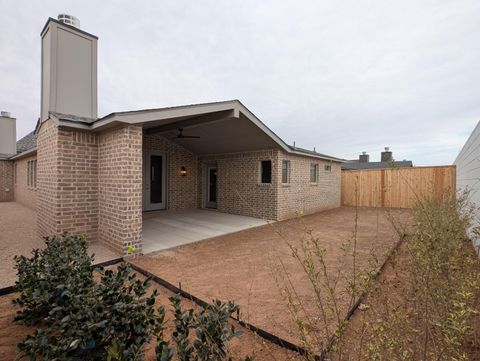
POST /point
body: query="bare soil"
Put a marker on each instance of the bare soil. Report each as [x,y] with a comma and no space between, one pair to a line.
[18,236]
[241,266]
[248,344]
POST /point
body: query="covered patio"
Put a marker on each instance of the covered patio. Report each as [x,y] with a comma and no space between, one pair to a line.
[167,229]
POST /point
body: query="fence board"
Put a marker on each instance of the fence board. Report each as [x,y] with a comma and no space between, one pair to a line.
[396,187]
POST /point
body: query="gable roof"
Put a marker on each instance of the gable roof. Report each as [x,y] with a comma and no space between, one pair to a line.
[27,142]
[169,117]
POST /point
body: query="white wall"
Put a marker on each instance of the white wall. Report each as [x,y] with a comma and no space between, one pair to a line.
[468,170]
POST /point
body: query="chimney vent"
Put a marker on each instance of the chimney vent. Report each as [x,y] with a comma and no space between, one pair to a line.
[386,156]
[364,157]
[5,114]
[69,20]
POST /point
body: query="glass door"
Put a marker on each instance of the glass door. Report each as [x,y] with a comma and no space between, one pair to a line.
[155,181]
[211,201]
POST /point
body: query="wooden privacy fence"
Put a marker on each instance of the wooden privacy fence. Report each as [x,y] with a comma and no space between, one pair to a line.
[396,187]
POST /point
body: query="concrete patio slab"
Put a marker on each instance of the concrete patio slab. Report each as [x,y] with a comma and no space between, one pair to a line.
[167,229]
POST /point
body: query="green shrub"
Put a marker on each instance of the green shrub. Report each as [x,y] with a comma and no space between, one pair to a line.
[112,319]
[59,271]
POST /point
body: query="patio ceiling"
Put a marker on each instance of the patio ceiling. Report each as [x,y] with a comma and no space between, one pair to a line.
[223,127]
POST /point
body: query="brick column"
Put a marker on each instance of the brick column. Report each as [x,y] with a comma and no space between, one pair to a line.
[67,181]
[120,188]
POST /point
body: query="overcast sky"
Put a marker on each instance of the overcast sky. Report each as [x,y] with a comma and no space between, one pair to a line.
[341,76]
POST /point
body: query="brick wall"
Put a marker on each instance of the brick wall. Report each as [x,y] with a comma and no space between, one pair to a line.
[47,179]
[300,195]
[67,181]
[6,181]
[24,194]
[182,191]
[239,188]
[120,188]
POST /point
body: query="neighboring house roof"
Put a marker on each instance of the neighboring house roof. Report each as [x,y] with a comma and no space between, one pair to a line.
[28,142]
[377,165]
[169,119]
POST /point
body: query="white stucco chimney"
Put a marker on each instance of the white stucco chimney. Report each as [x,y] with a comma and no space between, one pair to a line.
[69,69]
[8,134]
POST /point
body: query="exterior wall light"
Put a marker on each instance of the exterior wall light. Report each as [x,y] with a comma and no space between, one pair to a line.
[183,171]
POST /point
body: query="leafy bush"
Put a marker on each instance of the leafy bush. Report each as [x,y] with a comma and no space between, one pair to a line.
[59,271]
[111,319]
[212,330]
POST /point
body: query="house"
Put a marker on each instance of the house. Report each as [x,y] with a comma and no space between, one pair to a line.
[386,161]
[97,175]
[468,177]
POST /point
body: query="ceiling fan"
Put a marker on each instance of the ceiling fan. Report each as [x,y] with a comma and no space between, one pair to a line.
[180,134]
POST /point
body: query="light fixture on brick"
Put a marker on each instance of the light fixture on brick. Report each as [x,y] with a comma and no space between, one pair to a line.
[183,171]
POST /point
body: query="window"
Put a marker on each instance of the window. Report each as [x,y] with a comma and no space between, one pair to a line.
[266,171]
[32,173]
[313,173]
[328,168]
[285,171]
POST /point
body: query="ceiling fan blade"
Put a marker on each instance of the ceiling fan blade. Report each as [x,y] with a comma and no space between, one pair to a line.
[180,134]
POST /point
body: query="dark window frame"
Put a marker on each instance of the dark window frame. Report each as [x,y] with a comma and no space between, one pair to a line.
[266,171]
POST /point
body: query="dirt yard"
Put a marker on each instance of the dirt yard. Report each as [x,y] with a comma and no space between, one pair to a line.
[247,344]
[240,266]
[18,237]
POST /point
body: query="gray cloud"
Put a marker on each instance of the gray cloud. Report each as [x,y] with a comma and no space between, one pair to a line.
[341,76]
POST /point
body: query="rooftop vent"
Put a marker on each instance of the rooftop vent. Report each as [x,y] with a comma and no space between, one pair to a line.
[69,20]
[5,114]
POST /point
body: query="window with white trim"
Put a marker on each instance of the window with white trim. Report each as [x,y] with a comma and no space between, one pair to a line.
[314,173]
[285,171]
[328,167]
[32,173]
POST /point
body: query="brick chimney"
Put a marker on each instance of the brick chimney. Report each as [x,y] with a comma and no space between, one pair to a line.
[8,134]
[386,156]
[364,157]
[69,69]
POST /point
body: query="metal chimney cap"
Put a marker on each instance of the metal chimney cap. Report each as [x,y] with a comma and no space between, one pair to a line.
[69,20]
[5,114]
[364,153]
[387,149]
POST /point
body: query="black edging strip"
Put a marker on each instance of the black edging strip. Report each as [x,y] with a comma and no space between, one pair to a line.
[11,289]
[362,297]
[262,333]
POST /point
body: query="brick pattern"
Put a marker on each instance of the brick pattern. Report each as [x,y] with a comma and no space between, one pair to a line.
[120,188]
[24,194]
[182,191]
[239,188]
[47,180]
[300,195]
[6,181]
[67,181]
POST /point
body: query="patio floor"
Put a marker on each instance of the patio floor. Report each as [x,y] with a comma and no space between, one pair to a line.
[167,229]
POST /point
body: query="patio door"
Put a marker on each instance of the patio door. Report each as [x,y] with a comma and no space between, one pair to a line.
[155,184]
[211,201]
